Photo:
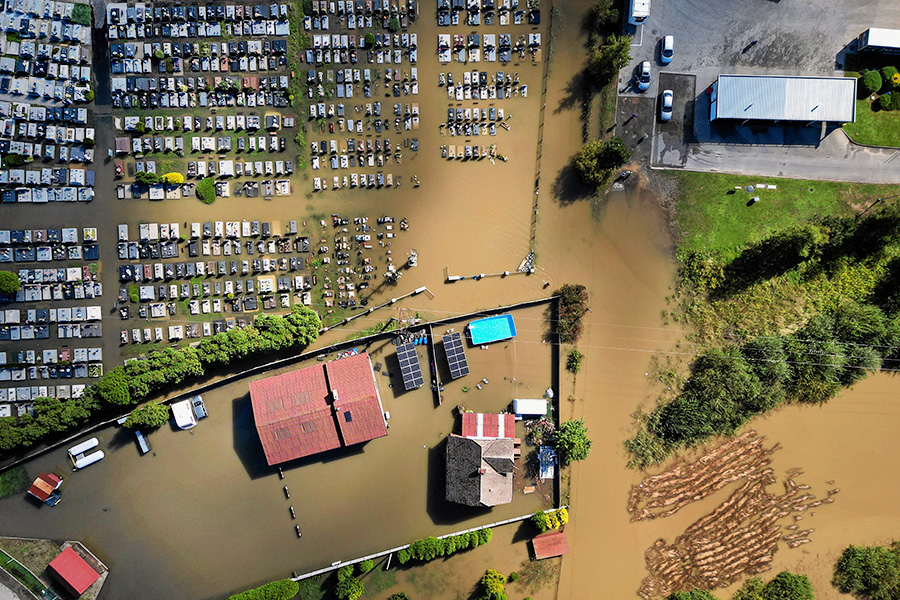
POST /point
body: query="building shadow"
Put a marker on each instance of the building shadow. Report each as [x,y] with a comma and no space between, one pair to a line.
[442,511]
[524,531]
[246,442]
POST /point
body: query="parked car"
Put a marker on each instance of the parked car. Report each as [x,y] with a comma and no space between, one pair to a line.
[667,49]
[665,106]
[644,76]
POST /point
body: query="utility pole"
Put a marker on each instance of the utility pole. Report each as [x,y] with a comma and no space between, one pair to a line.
[871,206]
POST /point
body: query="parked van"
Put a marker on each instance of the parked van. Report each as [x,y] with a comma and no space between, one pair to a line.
[640,12]
[879,40]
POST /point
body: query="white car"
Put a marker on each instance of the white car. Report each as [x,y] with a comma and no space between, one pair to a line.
[665,106]
[667,49]
[643,83]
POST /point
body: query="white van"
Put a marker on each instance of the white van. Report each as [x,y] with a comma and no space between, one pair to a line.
[640,12]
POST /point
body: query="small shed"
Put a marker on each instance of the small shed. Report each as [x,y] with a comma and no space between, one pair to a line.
[73,571]
[549,545]
[530,407]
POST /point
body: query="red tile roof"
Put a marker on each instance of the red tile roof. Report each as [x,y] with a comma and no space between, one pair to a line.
[548,545]
[74,571]
[44,485]
[295,416]
[490,425]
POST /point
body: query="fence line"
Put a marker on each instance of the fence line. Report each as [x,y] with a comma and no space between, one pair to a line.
[282,362]
[344,563]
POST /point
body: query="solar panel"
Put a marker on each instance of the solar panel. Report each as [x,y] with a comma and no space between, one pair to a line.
[456,355]
[409,367]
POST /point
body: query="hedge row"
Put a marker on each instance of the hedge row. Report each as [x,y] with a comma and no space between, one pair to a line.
[277,590]
[138,379]
[545,521]
[432,547]
[206,190]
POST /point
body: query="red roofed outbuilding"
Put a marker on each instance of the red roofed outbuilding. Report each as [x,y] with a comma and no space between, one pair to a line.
[489,426]
[548,545]
[73,571]
[317,408]
[45,486]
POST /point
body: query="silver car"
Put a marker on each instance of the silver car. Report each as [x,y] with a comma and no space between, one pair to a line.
[665,106]
[667,49]
[644,76]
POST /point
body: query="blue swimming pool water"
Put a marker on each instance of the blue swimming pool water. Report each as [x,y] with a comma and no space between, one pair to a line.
[492,329]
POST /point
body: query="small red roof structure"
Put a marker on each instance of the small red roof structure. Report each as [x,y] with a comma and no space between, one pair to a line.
[488,426]
[44,486]
[317,408]
[548,545]
[73,571]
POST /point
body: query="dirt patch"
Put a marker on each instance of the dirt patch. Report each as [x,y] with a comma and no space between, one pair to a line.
[34,554]
[740,537]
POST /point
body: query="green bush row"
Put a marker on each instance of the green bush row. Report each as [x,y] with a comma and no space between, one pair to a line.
[284,589]
[432,547]
[138,379]
[206,190]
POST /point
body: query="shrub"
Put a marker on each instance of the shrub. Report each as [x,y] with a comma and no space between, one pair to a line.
[394,24]
[13,160]
[887,75]
[277,590]
[691,595]
[872,81]
[871,572]
[206,190]
[573,361]
[9,283]
[173,178]
[350,588]
[884,101]
[147,178]
[403,556]
[140,128]
[13,481]
[370,39]
[399,596]
[154,414]
[431,547]
[513,577]
[89,97]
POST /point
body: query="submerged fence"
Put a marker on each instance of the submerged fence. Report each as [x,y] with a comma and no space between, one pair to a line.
[344,563]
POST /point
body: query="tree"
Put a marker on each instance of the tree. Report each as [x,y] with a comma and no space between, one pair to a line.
[751,590]
[206,190]
[173,178]
[140,128]
[492,585]
[365,566]
[870,572]
[607,60]
[597,160]
[394,24]
[113,387]
[9,283]
[399,596]
[572,441]
[349,588]
[154,414]
[788,586]
[573,305]
[146,177]
[370,39]
[89,97]
[81,14]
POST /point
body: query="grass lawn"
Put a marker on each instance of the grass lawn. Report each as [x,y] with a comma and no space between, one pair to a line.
[34,554]
[710,218]
[874,126]
[14,481]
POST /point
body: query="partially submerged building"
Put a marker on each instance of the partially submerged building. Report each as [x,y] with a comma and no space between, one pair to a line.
[318,408]
[73,571]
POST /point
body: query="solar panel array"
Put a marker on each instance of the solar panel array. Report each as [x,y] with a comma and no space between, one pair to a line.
[456,355]
[409,367]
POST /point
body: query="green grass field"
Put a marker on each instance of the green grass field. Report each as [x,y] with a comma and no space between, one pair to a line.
[874,127]
[709,217]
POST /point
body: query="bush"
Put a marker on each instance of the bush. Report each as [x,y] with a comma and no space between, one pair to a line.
[887,75]
[345,572]
[573,361]
[13,481]
[81,14]
[9,283]
[153,414]
[431,547]
[607,60]
[399,596]
[884,101]
[277,590]
[13,160]
[89,97]
[206,190]
[350,588]
[140,128]
[513,577]
[370,40]
[394,24]
[895,98]
[147,178]
[691,595]
[872,81]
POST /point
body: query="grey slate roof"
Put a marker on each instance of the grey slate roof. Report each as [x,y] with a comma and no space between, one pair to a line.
[479,472]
